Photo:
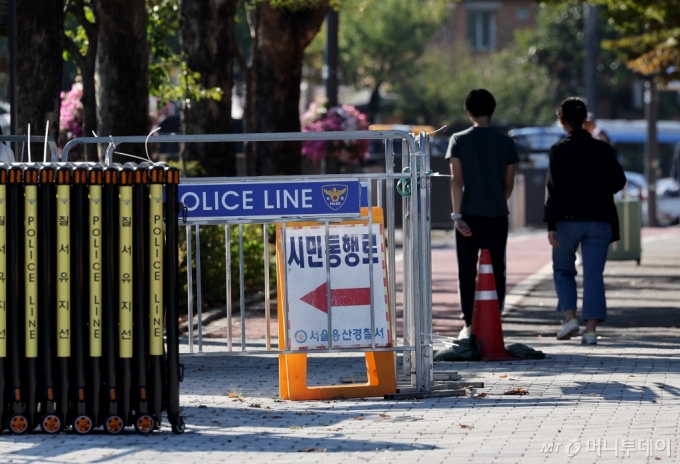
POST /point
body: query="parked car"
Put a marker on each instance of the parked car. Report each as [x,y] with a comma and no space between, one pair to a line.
[667,197]
[533,144]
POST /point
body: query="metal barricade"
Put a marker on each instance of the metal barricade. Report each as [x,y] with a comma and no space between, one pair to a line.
[65,229]
[416,342]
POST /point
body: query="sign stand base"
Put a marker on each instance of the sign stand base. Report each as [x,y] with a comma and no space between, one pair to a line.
[380,371]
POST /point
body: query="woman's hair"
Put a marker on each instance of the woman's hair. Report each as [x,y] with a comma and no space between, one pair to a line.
[573,111]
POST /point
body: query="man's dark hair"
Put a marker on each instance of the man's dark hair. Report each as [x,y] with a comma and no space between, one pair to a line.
[573,111]
[480,102]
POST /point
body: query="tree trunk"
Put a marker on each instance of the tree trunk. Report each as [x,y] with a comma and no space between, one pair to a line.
[89,100]
[40,26]
[283,37]
[86,65]
[122,72]
[374,104]
[206,34]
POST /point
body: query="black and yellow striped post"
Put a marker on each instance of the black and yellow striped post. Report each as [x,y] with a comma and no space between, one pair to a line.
[18,421]
[113,420]
[31,286]
[143,422]
[63,289]
[88,285]
[156,297]
[50,421]
[80,410]
[95,287]
[4,367]
[125,288]
[171,289]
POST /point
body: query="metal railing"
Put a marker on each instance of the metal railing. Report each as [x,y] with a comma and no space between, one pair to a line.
[23,139]
[416,330]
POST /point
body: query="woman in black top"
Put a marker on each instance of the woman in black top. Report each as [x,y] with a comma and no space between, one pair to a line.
[583,176]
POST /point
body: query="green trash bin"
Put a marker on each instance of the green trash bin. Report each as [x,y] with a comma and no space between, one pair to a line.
[629,248]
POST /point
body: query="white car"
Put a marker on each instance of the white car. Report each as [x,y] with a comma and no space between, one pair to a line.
[667,197]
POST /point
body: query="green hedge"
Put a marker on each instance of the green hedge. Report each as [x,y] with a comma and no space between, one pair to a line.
[213,262]
[213,258]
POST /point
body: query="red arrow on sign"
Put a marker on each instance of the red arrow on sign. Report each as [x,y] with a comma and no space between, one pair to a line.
[339,297]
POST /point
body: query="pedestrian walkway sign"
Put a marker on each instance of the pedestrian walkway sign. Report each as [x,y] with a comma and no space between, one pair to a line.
[350,249]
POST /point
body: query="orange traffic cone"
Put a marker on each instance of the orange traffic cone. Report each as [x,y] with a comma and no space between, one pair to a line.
[486,318]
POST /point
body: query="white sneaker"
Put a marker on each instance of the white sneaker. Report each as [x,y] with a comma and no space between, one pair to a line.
[569,329]
[464,333]
[589,338]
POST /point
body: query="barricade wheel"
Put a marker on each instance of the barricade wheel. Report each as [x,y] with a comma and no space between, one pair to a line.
[113,425]
[51,424]
[178,428]
[82,424]
[144,424]
[18,424]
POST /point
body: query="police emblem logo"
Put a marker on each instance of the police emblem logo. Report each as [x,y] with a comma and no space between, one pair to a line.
[334,195]
[301,336]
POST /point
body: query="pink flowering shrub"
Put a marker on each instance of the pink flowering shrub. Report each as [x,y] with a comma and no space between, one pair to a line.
[318,118]
[71,116]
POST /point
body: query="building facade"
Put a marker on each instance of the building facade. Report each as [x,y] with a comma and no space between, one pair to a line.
[488,25]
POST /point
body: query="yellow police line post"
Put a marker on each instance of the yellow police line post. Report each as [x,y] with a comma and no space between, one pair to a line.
[380,365]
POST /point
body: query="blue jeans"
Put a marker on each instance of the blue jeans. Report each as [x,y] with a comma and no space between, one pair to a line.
[594,238]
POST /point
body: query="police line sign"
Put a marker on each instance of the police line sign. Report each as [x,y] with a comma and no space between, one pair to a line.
[337,197]
[350,293]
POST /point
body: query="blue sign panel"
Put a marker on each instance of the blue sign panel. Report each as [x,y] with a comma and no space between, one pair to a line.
[336,197]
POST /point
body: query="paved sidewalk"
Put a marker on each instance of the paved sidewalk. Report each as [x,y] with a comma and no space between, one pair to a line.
[626,391]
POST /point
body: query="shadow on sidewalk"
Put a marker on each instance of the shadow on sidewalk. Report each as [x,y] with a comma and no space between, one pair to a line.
[198,437]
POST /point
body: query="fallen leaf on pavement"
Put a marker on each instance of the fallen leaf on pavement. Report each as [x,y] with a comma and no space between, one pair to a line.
[503,376]
[631,375]
[465,426]
[385,415]
[479,395]
[359,418]
[517,391]
[312,450]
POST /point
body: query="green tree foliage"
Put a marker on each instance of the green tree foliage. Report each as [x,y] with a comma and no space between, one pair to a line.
[650,35]
[79,25]
[213,261]
[213,256]
[558,43]
[523,90]
[381,39]
[170,79]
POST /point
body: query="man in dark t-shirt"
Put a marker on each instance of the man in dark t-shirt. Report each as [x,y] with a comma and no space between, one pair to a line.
[482,162]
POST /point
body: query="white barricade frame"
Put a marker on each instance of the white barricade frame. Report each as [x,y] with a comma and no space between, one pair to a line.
[417,314]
